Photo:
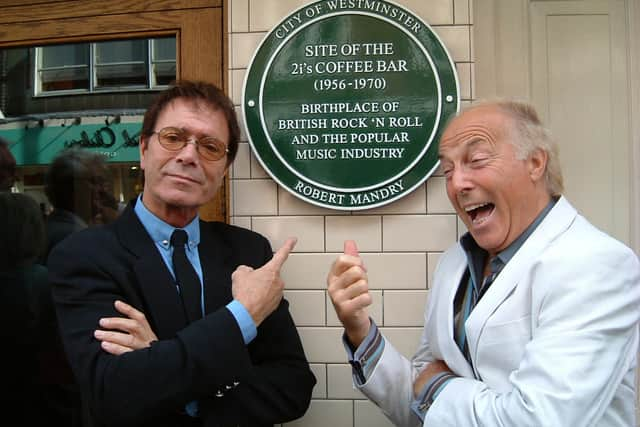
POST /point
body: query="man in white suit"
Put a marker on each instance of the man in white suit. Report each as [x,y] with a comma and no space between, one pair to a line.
[532,318]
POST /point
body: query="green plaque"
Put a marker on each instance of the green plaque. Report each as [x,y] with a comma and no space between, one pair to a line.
[345,100]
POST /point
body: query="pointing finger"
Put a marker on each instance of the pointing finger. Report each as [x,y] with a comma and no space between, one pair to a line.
[283,253]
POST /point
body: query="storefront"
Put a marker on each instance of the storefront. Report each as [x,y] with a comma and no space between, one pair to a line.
[80,74]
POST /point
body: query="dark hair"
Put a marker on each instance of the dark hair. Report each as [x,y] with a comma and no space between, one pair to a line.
[72,178]
[7,166]
[21,231]
[196,91]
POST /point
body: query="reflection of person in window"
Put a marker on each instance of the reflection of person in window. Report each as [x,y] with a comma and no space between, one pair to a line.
[76,184]
[7,166]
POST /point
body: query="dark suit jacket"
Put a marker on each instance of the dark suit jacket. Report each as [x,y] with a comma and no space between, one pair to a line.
[266,382]
[60,224]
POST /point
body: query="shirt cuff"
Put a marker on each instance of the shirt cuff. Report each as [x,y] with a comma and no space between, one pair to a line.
[429,392]
[365,358]
[244,319]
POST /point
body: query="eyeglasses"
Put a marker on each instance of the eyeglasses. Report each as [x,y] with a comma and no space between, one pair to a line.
[175,139]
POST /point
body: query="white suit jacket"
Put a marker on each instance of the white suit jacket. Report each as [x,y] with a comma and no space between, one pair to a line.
[553,341]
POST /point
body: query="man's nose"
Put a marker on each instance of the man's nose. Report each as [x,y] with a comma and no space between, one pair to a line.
[460,180]
[189,153]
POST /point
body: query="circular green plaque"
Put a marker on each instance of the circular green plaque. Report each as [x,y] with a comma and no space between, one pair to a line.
[345,100]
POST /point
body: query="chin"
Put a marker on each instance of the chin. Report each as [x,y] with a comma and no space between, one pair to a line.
[183,199]
[485,242]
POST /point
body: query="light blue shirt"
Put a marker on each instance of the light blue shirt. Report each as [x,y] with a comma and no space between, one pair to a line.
[160,233]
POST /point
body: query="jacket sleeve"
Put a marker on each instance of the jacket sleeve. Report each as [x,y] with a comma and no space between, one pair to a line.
[390,385]
[278,384]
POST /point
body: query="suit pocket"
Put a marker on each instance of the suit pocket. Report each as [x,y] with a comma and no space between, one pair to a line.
[501,349]
[505,332]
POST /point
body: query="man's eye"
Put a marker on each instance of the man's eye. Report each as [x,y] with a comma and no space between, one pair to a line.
[212,148]
[173,137]
[477,160]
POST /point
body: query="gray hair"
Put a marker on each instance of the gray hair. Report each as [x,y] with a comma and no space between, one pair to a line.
[530,135]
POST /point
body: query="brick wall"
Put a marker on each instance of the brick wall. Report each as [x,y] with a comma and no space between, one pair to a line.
[400,242]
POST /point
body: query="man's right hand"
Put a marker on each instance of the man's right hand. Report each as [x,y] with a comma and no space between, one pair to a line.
[348,287]
[261,290]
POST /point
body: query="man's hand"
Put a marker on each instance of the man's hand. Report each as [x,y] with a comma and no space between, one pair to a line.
[349,292]
[125,334]
[432,368]
[261,290]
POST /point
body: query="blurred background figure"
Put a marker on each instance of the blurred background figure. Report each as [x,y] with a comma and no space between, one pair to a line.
[26,310]
[7,166]
[77,185]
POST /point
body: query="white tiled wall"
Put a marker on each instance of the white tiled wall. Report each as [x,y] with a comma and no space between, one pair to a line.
[400,242]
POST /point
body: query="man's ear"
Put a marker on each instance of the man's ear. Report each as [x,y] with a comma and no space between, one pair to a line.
[143,145]
[537,164]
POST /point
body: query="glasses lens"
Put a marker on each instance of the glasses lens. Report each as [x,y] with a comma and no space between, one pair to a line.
[172,138]
[211,148]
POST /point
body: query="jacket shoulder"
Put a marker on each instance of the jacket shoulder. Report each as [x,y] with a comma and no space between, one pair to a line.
[233,233]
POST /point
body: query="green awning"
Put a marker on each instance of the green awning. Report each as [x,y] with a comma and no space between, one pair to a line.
[118,142]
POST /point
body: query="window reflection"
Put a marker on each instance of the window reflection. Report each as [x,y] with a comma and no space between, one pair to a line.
[121,64]
[116,65]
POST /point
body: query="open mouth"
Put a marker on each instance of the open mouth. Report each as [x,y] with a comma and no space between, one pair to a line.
[479,213]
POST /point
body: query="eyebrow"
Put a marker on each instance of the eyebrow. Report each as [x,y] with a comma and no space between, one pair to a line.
[198,135]
[468,143]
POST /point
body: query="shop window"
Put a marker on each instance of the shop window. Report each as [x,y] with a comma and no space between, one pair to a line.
[65,67]
[121,65]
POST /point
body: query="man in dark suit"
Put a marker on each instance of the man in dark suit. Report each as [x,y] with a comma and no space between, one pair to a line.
[140,353]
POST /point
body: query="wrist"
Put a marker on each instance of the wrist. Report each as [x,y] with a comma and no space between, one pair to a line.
[358,333]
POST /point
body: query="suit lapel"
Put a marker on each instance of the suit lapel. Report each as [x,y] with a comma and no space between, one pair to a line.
[216,269]
[556,222]
[443,296]
[162,301]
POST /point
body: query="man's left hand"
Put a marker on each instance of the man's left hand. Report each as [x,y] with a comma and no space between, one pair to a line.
[432,368]
[137,332]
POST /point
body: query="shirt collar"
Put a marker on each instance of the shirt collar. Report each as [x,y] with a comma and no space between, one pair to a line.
[160,231]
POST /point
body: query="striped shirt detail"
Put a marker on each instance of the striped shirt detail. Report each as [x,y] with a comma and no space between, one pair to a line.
[365,358]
